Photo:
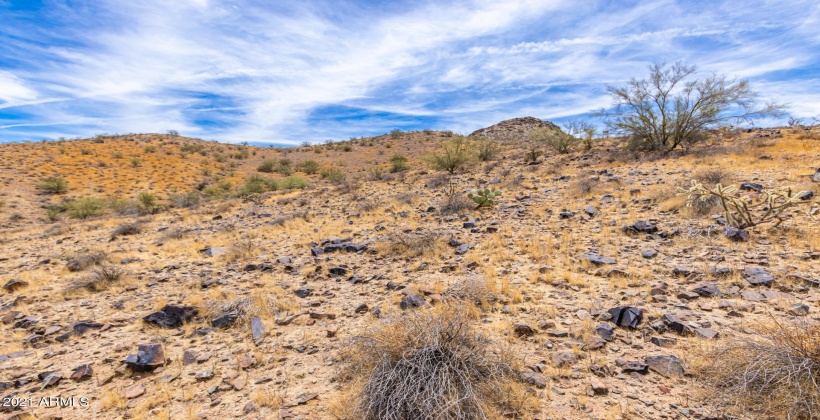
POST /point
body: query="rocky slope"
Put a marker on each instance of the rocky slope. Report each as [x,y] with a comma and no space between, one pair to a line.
[605,284]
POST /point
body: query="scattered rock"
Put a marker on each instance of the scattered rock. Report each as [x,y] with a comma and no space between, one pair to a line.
[257,330]
[564,358]
[667,366]
[171,316]
[799,309]
[649,253]
[225,320]
[736,235]
[462,249]
[148,357]
[626,316]
[213,252]
[640,227]
[14,284]
[412,301]
[596,259]
[757,276]
[81,372]
[134,391]
[303,291]
[750,186]
[523,330]
[533,378]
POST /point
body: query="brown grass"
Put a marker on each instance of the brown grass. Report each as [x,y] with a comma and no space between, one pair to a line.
[431,365]
[774,373]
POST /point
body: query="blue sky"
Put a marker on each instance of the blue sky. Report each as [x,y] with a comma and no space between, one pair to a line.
[288,71]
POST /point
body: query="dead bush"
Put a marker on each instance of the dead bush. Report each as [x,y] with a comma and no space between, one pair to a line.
[126,229]
[87,259]
[100,279]
[261,304]
[427,244]
[774,373]
[714,176]
[431,365]
[472,289]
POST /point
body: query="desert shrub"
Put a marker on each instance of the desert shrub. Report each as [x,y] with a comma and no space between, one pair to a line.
[426,244]
[86,259]
[398,163]
[376,173]
[473,289]
[217,191]
[669,109]
[293,183]
[266,166]
[583,185]
[438,180]
[285,167]
[125,207]
[558,140]
[99,280]
[148,203]
[347,147]
[309,167]
[713,176]
[86,151]
[332,174]
[149,149]
[53,185]
[265,304]
[84,208]
[242,249]
[452,155]
[117,155]
[487,150]
[425,365]
[135,162]
[192,148]
[395,133]
[257,185]
[189,200]
[126,229]
[774,373]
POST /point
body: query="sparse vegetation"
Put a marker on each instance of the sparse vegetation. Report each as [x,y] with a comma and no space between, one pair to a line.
[84,208]
[333,174]
[432,365]
[483,198]
[740,213]
[668,109]
[453,154]
[398,163]
[53,185]
[309,167]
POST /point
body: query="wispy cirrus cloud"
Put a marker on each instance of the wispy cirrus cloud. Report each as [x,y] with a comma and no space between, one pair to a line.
[294,71]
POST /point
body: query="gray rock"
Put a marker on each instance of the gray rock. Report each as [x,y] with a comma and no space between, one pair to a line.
[799,309]
[462,249]
[303,291]
[605,331]
[533,378]
[757,276]
[412,301]
[564,358]
[649,253]
[226,320]
[640,226]
[171,316]
[667,366]
[736,235]
[213,252]
[148,357]
[706,333]
[597,259]
[257,329]
[816,176]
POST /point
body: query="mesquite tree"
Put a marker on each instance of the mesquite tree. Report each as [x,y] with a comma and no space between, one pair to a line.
[671,108]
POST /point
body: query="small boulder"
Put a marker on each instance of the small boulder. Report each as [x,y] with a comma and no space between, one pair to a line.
[596,259]
[750,186]
[225,320]
[171,316]
[640,226]
[412,301]
[148,358]
[667,366]
[757,276]
[736,235]
[626,316]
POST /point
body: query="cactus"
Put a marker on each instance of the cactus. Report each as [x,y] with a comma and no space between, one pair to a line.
[483,198]
[767,207]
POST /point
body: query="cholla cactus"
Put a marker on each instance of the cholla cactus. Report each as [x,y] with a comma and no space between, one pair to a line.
[483,198]
[741,214]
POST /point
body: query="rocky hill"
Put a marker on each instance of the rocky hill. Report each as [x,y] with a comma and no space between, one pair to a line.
[513,129]
[590,289]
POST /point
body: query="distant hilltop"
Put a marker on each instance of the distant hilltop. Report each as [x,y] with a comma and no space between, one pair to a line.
[515,128]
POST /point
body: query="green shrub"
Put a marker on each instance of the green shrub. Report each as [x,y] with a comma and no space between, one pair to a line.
[453,155]
[309,167]
[86,151]
[189,200]
[149,149]
[558,140]
[398,163]
[487,150]
[333,174]
[84,208]
[395,133]
[266,166]
[257,185]
[293,183]
[135,162]
[117,155]
[218,190]
[148,203]
[347,148]
[53,185]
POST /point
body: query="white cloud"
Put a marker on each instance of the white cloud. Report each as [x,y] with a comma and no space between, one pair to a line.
[260,69]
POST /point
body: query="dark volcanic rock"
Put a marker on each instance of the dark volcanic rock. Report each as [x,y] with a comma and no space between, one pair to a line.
[462,249]
[412,301]
[171,316]
[81,372]
[750,186]
[736,235]
[148,357]
[626,316]
[14,284]
[640,226]
[226,320]
[757,276]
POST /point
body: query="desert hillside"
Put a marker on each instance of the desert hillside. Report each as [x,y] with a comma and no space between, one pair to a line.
[166,277]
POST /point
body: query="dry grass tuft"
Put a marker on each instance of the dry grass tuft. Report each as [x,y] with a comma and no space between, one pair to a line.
[100,279]
[472,289]
[265,305]
[429,244]
[87,259]
[776,374]
[431,365]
